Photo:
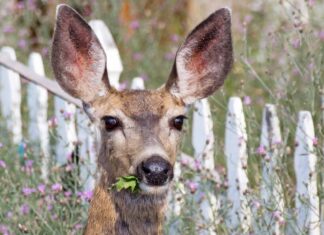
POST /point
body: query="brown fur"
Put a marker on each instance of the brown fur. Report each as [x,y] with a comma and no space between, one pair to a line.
[124,212]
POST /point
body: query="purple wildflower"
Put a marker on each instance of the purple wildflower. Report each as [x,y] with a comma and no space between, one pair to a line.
[134,24]
[54,216]
[193,186]
[311,3]
[169,56]
[247,100]
[8,29]
[4,229]
[49,207]
[9,214]
[52,122]
[123,85]
[174,37]
[20,5]
[85,195]
[24,209]
[78,226]
[29,163]
[67,115]
[26,191]
[296,43]
[1,145]
[22,44]
[41,188]
[198,165]
[45,51]
[57,187]
[68,194]
[137,56]
[321,35]
[261,150]
[3,164]
[69,167]
[315,141]
[184,161]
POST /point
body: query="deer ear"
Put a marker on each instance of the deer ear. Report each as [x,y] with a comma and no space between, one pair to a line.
[78,60]
[204,60]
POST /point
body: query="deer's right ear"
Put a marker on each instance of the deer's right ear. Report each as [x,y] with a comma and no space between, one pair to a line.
[78,60]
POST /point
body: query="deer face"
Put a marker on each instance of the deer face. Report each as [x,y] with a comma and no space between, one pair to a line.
[140,130]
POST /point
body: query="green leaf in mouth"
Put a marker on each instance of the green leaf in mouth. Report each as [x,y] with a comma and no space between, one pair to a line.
[127,182]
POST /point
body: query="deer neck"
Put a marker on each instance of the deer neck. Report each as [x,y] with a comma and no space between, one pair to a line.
[124,212]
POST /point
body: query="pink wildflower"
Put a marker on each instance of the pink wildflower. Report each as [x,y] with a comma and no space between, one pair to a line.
[3,164]
[315,141]
[24,209]
[247,100]
[57,187]
[41,188]
[296,43]
[134,24]
[26,191]
[193,186]
[261,150]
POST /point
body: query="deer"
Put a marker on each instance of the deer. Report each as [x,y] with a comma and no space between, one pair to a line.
[140,130]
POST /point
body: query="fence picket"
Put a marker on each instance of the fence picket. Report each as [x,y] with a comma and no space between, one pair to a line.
[66,133]
[307,201]
[114,63]
[203,144]
[271,189]
[138,83]
[239,214]
[37,106]
[322,172]
[87,150]
[10,93]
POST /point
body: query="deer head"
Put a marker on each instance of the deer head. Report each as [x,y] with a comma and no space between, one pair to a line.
[140,130]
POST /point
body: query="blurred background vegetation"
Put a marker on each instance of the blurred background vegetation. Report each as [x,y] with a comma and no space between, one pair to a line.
[279,58]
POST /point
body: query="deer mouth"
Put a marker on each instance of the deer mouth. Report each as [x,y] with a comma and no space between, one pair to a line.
[149,189]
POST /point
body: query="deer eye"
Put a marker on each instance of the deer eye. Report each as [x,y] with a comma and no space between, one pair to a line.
[177,122]
[111,123]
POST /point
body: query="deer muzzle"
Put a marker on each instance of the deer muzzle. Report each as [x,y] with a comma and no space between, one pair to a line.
[155,171]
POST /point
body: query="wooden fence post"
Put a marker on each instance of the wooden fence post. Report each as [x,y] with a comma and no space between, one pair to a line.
[203,144]
[114,63]
[307,202]
[271,188]
[66,133]
[10,93]
[239,215]
[87,150]
[322,173]
[37,107]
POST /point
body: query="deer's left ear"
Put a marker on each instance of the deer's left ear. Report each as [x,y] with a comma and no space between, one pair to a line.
[204,60]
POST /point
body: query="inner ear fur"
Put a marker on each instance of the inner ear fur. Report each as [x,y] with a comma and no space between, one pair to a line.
[205,58]
[78,60]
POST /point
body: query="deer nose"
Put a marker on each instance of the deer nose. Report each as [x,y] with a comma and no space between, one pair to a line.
[155,170]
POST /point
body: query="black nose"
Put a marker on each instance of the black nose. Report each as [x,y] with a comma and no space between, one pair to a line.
[156,171]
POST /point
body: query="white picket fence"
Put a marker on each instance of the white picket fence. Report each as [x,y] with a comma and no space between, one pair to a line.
[73,127]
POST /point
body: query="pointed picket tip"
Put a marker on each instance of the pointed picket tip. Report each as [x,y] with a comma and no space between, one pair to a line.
[138,84]
[35,62]
[307,201]
[114,62]
[9,51]
[10,93]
